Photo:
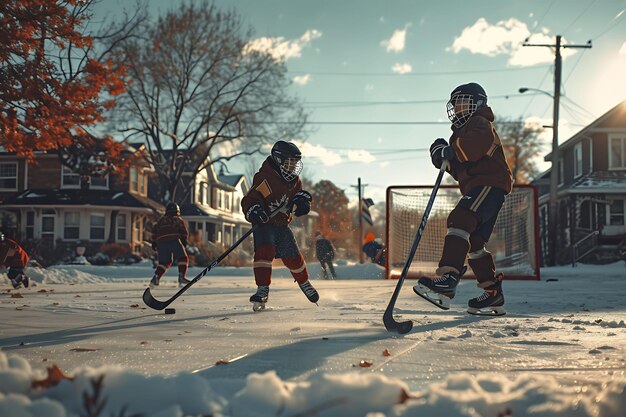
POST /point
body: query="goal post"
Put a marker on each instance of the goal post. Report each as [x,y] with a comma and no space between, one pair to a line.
[514,242]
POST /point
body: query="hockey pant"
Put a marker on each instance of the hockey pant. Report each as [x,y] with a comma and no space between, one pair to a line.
[272,242]
[168,250]
[470,225]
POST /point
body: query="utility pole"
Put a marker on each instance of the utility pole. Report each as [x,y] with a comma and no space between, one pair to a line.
[359,207]
[554,170]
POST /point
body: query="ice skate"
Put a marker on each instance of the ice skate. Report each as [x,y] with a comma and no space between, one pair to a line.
[259,298]
[182,281]
[154,282]
[490,302]
[19,281]
[309,291]
[439,291]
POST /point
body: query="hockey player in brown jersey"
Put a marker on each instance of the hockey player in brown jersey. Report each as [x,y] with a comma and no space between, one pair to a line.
[476,160]
[169,236]
[277,190]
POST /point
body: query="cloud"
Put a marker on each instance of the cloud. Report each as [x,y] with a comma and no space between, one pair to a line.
[282,49]
[331,157]
[622,50]
[506,37]
[302,79]
[360,156]
[397,41]
[402,68]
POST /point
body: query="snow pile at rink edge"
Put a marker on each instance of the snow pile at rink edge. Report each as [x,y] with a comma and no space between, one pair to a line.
[321,394]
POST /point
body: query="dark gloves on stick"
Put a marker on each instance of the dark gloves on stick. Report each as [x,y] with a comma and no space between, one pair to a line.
[256,215]
[439,151]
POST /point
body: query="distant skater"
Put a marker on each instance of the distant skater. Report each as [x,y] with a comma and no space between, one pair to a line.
[169,240]
[15,259]
[325,253]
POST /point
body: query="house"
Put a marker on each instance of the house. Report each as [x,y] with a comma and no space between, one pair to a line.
[591,216]
[213,211]
[42,200]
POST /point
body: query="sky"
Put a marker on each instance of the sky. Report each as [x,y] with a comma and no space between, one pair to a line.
[548,356]
[375,75]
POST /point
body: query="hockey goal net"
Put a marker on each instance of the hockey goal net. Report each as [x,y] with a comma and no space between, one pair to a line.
[514,242]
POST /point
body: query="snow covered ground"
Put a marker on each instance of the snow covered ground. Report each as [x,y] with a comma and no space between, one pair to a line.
[560,350]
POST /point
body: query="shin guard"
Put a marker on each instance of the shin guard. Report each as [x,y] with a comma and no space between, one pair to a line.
[297,267]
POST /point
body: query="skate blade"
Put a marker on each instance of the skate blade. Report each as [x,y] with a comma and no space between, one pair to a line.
[488,311]
[258,306]
[432,297]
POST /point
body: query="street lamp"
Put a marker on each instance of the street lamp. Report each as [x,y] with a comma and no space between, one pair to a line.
[554,171]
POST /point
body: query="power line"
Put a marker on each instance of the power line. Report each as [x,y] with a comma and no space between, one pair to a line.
[411,74]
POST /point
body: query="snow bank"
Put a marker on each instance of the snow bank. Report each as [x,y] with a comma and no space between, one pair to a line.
[325,395]
[63,275]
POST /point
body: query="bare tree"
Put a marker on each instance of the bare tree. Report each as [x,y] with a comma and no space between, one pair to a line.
[195,87]
[522,146]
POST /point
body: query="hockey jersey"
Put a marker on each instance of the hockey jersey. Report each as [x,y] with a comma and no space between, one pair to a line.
[170,228]
[273,193]
[12,255]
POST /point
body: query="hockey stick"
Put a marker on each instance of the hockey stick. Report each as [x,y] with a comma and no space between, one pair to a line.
[390,323]
[152,302]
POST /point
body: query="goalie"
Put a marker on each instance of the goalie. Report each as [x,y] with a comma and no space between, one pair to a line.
[476,160]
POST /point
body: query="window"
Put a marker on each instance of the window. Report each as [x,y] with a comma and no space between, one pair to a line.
[219,199]
[100,182]
[616,213]
[8,176]
[227,200]
[70,178]
[121,227]
[47,224]
[142,182]
[578,160]
[134,179]
[617,152]
[96,226]
[561,172]
[30,224]
[71,225]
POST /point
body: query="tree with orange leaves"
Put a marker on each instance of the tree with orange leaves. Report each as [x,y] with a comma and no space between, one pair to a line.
[54,85]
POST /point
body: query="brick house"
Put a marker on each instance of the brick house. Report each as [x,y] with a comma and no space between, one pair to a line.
[42,200]
[592,192]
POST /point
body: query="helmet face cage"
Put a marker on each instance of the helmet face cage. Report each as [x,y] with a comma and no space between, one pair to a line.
[460,108]
[290,168]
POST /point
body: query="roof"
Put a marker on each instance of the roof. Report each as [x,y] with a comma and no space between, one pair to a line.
[76,197]
[601,182]
[232,180]
[619,108]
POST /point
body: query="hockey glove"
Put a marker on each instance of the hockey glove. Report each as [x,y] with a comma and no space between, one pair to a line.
[256,215]
[439,151]
[302,201]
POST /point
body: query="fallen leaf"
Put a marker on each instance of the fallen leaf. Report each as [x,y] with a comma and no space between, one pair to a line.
[365,364]
[222,362]
[598,321]
[42,290]
[84,349]
[134,305]
[77,296]
[44,360]
[17,295]
[144,342]
[55,376]
[386,353]
[55,304]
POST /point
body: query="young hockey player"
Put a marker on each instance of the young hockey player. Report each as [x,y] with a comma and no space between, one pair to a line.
[477,162]
[276,190]
[169,236]
[375,249]
[325,253]
[15,259]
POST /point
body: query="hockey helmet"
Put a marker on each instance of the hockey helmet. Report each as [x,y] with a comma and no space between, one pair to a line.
[287,159]
[369,237]
[172,209]
[464,101]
